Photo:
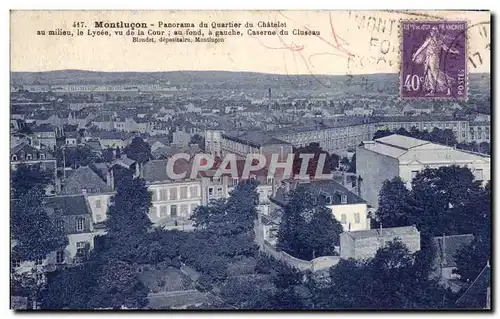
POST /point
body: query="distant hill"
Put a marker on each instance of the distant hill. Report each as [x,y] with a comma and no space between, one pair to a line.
[478,81]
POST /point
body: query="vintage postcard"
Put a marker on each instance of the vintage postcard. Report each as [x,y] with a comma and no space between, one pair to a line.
[270,160]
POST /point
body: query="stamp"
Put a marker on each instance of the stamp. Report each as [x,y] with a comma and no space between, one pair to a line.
[433,60]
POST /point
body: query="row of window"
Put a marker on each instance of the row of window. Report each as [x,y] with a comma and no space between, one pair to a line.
[29,157]
[60,256]
[79,223]
[185,192]
[357,218]
[182,210]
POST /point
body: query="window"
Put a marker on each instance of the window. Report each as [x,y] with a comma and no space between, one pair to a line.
[173,193]
[80,224]
[163,211]
[80,247]
[183,192]
[343,218]
[14,157]
[184,210]
[42,156]
[163,194]
[60,257]
[235,181]
[28,157]
[413,174]
[60,224]
[39,261]
[16,263]
[98,203]
[357,219]
[173,210]
[210,191]
[270,180]
[193,191]
[328,200]
[478,174]
[219,190]
[343,199]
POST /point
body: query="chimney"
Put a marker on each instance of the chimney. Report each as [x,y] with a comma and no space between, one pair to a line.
[110,180]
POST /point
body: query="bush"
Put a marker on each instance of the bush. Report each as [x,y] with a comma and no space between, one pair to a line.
[205,283]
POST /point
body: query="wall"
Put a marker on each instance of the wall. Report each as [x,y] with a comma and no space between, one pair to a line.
[374,169]
[191,201]
[350,212]
[99,214]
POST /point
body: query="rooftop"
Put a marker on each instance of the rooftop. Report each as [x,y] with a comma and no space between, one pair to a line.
[401,141]
[84,178]
[391,233]
[255,139]
[67,205]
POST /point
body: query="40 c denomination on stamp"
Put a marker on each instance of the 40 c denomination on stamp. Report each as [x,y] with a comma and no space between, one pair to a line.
[433,60]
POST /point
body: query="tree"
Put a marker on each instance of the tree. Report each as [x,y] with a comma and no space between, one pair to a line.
[382,133]
[352,165]
[198,139]
[117,286]
[472,259]
[95,286]
[138,150]
[35,234]
[393,207]
[28,177]
[307,229]
[440,201]
[386,281]
[334,162]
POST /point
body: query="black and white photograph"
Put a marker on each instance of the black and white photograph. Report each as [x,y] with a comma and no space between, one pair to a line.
[250,160]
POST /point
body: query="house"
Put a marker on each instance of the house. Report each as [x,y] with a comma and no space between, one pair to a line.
[84,181]
[363,244]
[111,139]
[173,201]
[403,156]
[45,134]
[347,208]
[72,139]
[29,155]
[72,215]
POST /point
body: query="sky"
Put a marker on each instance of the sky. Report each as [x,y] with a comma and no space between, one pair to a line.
[349,42]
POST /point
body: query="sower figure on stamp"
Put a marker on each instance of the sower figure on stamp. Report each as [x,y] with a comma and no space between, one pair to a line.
[429,53]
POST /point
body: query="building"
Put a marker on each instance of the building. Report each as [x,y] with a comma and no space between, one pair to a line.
[173,201]
[248,143]
[45,135]
[397,155]
[73,214]
[29,155]
[363,244]
[460,127]
[336,137]
[84,181]
[446,247]
[479,132]
[213,140]
[347,208]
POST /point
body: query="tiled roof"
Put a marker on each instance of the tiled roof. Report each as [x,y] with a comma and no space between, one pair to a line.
[84,178]
[156,170]
[322,189]
[67,205]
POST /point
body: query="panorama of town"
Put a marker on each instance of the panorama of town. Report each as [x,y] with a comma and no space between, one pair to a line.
[97,223]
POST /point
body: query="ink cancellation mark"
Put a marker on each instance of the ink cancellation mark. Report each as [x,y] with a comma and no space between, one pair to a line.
[433,60]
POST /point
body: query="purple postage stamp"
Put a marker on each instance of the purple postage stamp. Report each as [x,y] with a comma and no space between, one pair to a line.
[433,59]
